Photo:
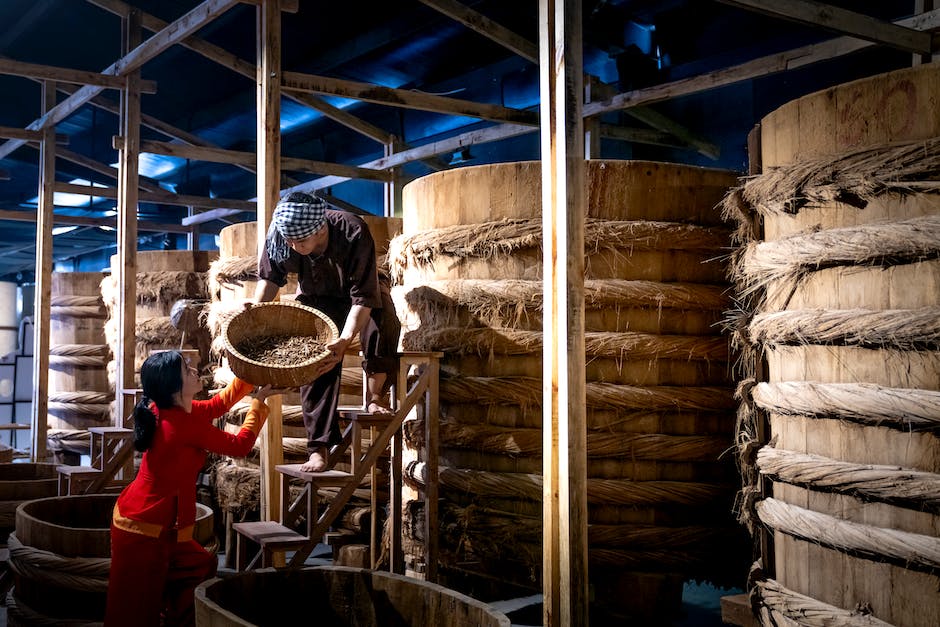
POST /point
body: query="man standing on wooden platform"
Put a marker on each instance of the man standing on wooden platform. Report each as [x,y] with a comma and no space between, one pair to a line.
[333,254]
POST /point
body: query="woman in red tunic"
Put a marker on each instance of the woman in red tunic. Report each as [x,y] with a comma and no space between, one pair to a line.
[155,563]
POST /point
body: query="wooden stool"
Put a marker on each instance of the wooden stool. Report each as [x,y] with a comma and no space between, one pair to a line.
[269,536]
[74,479]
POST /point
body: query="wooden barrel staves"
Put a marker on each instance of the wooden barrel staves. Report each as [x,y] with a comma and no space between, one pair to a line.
[660,411]
[840,295]
[342,597]
[60,555]
[20,483]
[79,394]
[164,277]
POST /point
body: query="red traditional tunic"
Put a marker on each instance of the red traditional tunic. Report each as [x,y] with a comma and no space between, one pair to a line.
[163,496]
[155,563]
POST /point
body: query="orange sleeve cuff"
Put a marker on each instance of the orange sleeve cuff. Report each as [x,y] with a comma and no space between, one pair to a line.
[235,391]
[256,417]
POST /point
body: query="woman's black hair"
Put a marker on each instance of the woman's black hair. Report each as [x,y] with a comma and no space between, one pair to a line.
[161,377]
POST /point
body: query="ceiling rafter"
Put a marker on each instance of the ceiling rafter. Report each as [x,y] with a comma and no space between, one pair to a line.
[529,51]
[842,21]
[182,28]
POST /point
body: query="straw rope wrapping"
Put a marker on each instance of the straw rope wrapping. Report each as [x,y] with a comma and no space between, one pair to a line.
[487,341]
[784,262]
[165,286]
[599,491]
[909,550]
[78,355]
[86,403]
[69,306]
[73,440]
[855,178]
[901,329]
[528,442]
[486,240]
[869,482]
[788,608]
[526,391]
[747,441]
[75,573]
[866,403]
[509,302]
[226,271]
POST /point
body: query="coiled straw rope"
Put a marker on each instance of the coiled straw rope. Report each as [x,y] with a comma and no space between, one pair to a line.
[902,329]
[921,490]
[786,260]
[76,573]
[503,237]
[787,608]
[527,391]
[22,614]
[866,403]
[599,491]
[910,550]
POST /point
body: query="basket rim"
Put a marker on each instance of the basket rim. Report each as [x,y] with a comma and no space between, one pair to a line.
[308,362]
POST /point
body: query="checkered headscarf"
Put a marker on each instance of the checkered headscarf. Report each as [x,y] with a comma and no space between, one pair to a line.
[295,217]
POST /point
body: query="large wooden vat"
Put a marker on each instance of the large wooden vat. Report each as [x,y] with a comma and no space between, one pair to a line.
[342,597]
[79,394]
[20,483]
[163,278]
[843,304]
[659,397]
[60,554]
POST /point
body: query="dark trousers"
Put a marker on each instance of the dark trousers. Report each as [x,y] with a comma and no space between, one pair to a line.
[319,400]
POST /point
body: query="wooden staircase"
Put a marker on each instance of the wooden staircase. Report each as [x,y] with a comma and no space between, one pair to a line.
[265,539]
[112,464]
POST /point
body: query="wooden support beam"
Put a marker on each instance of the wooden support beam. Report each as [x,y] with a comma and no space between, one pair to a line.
[295,81]
[564,423]
[269,183]
[127,197]
[221,155]
[451,144]
[763,66]
[173,33]
[61,220]
[842,21]
[162,198]
[42,313]
[247,69]
[66,75]
[209,216]
[663,123]
[9,132]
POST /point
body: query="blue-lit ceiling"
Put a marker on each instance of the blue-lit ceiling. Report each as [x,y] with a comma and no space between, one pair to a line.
[404,45]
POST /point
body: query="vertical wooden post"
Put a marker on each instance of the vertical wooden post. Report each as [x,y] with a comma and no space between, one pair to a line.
[126,269]
[592,125]
[43,299]
[269,187]
[392,191]
[922,6]
[432,416]
[564,457]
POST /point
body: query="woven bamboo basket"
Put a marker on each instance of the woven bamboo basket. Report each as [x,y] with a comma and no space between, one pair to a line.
[282,318]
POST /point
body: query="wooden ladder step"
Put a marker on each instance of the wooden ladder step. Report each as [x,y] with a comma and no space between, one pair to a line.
[326,478]
[116,433]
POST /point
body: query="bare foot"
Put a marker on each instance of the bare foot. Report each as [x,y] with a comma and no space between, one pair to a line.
[377,408]
[317,461]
